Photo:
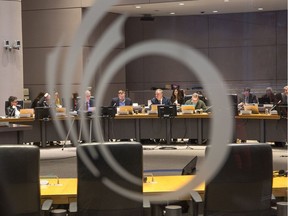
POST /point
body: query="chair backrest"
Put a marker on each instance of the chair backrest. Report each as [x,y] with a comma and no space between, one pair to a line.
[95,197]
[19,181]
[243,186]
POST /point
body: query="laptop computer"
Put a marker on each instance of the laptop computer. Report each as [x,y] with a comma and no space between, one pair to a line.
[187,109]
[252,107]
[26,113]
[153,109]
[125,110]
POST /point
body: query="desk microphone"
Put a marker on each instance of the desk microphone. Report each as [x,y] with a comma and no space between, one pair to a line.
[208,108]
[276,105]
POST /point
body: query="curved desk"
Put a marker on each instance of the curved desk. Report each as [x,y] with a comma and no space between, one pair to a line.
[66,191]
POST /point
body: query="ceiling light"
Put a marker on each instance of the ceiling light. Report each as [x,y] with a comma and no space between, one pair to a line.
[226,0]
[260,8]
[215,11]
[181,4]
[172,13]
[138,6]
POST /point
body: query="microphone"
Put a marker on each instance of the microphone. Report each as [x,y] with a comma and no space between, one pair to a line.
[114,104]
[276,105]
[208,108]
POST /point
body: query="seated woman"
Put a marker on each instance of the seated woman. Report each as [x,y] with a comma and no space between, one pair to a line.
[13,108]
[177,97]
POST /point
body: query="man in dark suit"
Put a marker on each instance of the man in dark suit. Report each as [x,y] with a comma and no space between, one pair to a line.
[247,98]
[159,98]
[86,104]
[282,98]
[121,100]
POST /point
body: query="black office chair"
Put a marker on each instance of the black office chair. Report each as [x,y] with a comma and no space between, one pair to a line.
[19,181]
[94,196]
[243,186]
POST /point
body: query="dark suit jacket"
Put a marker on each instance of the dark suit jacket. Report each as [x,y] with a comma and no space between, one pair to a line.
[165,101]
[81,104]
[251,99]
[115,102]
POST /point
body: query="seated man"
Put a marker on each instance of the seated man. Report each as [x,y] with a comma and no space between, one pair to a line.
[86,104]
[247,98]
[121,100]
[159,99]
[199,104]
[13,108]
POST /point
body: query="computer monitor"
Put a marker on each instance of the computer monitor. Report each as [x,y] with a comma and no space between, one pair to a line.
[43,112]
[264,100]
[108,112]
[167,111]
[190,168]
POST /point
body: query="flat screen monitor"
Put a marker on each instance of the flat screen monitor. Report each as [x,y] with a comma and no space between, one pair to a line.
[108,112]
[264,100]
[167,111]
[190,168]
[43,112]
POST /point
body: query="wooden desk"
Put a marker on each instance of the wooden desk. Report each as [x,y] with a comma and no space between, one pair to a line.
[66,190]
[62,193]
[261,127]
[13,133]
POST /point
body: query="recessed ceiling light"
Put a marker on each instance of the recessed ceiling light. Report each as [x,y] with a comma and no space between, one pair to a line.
[260,8]
[181,4]
[215,11]
[226,0]
[138,6]
[172,13]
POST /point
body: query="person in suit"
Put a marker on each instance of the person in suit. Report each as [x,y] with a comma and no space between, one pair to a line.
[159,98]
[13,108]
[177,97]
[88,103]
[247,98]
[121,100]
[282,98]
[44,101]
[199,104]
[269,95]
